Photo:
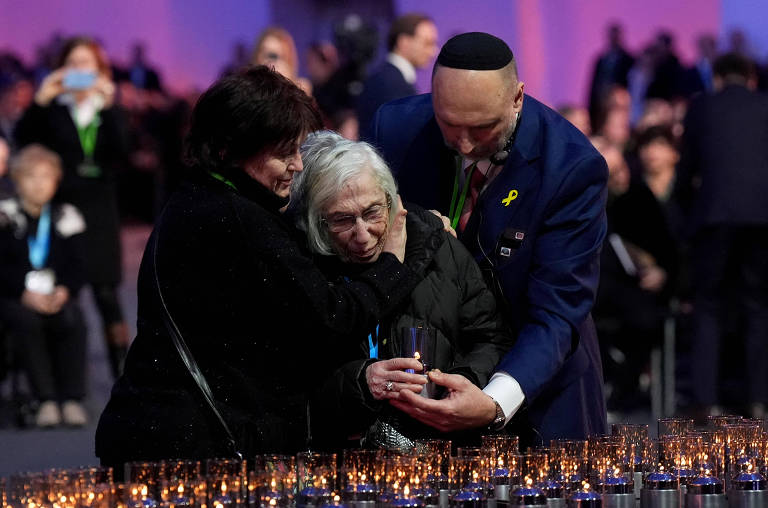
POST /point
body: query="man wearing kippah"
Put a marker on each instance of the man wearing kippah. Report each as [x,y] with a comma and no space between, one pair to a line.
[526,192]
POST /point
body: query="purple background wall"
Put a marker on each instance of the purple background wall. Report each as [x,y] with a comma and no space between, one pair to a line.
[555,40]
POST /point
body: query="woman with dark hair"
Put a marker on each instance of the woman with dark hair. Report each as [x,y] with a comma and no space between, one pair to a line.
[226,281]
[73,114]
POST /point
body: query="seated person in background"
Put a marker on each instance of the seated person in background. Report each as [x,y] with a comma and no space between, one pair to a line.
[638,266]
[345,200]
[40,275]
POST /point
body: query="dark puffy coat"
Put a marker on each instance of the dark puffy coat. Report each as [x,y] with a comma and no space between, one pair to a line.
[260,319]
[453,299]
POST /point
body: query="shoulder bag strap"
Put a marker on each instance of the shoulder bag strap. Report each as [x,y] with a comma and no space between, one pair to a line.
[187,358]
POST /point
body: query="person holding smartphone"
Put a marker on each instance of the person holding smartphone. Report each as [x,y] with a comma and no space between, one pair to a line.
[74,115]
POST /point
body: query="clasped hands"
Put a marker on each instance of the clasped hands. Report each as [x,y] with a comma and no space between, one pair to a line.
[463,406]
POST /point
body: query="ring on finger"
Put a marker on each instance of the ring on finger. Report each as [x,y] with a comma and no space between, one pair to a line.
[389,386]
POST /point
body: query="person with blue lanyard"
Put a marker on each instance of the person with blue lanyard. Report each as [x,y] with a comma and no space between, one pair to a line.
[345,200]
[40,275]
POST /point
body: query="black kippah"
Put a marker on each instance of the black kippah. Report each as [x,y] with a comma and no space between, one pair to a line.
[476,51]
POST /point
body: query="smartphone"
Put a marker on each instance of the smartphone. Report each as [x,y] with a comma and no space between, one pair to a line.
[78,80]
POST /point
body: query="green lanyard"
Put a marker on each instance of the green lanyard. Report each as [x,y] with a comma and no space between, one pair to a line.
[455,211]
[87,135]
[221,178]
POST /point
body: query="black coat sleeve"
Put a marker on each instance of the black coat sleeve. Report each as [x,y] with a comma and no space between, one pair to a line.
[484,337]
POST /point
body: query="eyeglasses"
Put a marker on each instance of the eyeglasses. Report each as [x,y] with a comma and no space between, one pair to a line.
[375,214]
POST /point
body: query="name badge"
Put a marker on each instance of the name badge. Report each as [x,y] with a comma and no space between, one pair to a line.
[88,170]
[40,281]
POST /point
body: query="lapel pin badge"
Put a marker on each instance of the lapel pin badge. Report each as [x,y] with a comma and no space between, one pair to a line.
[510,197]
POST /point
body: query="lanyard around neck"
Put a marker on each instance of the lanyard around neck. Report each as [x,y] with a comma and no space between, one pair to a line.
[223,179]
[455,211]
[39,246]
[87,135]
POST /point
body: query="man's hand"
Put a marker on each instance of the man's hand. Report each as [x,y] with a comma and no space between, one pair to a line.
[464,407]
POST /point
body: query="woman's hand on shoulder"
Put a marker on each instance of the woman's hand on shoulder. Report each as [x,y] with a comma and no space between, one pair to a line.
[396,237]
[387,378]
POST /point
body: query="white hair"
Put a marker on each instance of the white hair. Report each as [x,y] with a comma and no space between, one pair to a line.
[330,161]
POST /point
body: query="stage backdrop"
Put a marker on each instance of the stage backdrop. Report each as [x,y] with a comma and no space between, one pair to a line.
[555,41]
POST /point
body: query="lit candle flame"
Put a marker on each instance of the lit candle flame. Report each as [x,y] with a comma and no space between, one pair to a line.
[223,487]
[406,491]
[273,502]
[586,486]
[528,482]
[180,490]
[143,490]
[336,498]
[362,477]
[417,356]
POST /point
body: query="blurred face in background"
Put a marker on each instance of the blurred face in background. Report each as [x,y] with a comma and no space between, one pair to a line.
[37,183]
[82,58]
[274,52]
[421,47]
[657,156]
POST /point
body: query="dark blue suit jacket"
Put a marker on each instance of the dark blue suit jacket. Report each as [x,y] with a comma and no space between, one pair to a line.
[540,250]
[385,84]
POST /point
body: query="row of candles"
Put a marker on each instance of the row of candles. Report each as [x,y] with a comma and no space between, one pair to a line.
[730,456]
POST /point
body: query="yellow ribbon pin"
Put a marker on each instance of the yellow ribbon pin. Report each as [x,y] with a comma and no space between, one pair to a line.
[510,197]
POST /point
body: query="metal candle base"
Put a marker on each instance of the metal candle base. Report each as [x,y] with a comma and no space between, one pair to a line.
[705,500]
[444,498]
[501,492]
[555,502]
[747,498]
[664,498]
[619,500]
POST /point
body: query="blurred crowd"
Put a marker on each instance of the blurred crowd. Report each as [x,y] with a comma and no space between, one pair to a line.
[638,114]
[684,258]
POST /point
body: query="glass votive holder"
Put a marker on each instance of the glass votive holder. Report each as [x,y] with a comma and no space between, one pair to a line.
[95,486]
[316,478]
[139,496]
[183,470]
[717,421]
[177,493]
[224,491]
[273,480]
[571,462]
[144,473]
[504,444]
[674,426]
[535,468]
[358,478]
[472,473]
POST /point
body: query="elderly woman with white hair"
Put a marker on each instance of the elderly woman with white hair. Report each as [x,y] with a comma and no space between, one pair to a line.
[345,201]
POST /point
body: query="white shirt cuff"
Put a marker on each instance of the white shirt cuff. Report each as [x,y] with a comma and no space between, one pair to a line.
[505,390]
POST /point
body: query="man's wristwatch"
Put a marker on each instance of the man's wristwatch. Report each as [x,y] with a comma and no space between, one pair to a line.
[499,420]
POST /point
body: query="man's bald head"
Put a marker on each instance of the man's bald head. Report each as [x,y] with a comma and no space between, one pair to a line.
[476,94]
